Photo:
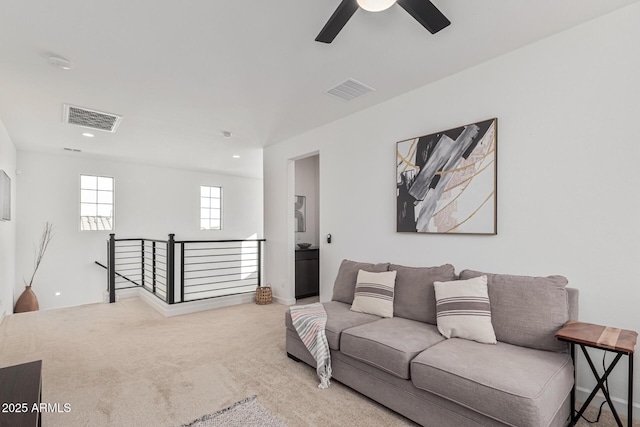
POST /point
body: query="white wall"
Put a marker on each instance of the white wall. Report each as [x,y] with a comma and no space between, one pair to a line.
[568,109]
[150,202]
[307,171]
[7,228]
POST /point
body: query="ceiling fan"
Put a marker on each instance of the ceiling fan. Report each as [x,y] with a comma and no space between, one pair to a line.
[422,10]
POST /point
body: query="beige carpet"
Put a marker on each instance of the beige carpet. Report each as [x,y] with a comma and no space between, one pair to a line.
[124,364]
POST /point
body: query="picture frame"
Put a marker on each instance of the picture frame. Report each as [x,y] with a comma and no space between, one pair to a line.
[446,182]
[5,196]
[300,214]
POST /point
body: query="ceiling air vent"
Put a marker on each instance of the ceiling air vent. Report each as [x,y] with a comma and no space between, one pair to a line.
[349,90]
[91,119]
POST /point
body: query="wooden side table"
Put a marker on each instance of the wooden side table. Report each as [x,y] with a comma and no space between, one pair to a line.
[619,341]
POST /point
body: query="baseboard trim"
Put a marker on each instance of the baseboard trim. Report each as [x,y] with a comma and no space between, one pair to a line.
[621,404]
[284,301]
[170,310]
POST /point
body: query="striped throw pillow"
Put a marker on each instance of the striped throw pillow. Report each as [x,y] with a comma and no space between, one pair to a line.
[374,293]
[463,310]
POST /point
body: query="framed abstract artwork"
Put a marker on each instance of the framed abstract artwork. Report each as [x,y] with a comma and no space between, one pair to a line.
[300,214]
[446,181]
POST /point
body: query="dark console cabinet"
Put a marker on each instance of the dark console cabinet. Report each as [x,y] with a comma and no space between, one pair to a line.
[307,272]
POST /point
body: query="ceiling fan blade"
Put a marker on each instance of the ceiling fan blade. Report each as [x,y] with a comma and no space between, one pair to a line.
[343,13]
[426,14]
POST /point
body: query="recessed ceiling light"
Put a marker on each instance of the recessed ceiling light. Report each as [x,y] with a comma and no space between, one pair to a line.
[226,134]
[88,135]
[59,62]
[235,156]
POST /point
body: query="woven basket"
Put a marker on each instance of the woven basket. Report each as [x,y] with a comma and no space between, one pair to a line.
[263,295]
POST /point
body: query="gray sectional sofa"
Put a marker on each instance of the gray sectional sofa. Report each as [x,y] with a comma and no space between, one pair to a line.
[404,362]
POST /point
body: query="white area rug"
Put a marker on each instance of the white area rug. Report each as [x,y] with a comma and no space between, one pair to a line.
[245,413]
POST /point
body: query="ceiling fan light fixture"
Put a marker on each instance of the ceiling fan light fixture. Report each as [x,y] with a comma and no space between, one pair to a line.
[375,5]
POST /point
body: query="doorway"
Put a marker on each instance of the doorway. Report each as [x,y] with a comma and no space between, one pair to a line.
[307,228]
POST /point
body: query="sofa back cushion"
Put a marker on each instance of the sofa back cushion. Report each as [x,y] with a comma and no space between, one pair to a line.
[344,287]
[415,297]
[527,311]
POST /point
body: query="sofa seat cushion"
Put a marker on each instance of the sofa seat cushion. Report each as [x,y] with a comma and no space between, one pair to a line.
[339,318]
[389,344]
[518,386]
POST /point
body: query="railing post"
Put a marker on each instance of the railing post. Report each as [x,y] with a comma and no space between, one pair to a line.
[171,266]
[153,266]
[142,244]
[259,263]
[182,272]
[112,268]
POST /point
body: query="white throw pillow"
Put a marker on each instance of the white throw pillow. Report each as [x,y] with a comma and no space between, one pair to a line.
[463,310]
[374,293]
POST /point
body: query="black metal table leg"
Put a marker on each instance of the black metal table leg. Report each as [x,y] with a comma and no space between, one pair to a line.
[600,385]
[630,393]
[573,420]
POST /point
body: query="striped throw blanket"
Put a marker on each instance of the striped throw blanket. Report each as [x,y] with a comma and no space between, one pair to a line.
[310,321]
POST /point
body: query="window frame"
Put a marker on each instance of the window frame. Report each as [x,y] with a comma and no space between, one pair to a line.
[220,208]
[113,201]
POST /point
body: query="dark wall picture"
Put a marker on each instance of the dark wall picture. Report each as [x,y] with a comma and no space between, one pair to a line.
[300,214]
[446,181]
[5,196]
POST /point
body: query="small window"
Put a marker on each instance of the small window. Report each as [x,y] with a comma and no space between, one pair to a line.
[210,208]
[96,202]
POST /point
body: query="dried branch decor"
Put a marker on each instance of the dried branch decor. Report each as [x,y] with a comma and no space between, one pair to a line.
[47,235]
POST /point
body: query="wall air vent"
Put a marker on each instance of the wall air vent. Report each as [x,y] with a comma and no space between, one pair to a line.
[91,119]
[349,90]
[75,150]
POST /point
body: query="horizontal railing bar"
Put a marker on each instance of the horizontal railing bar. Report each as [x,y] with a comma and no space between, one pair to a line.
[135,277]
[220,241]
[128,263]
[150,261]
[136,284]
[222,262]
[215,283]
[132,239]
[127,287]
[127,257]
[139,239]
[211,248]
[217,275]
[215,262]
[211,255]
[224,268]
[127,246]
[233,258]
[129,252]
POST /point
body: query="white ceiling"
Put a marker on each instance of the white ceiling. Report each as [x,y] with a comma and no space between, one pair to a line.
[181,72]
